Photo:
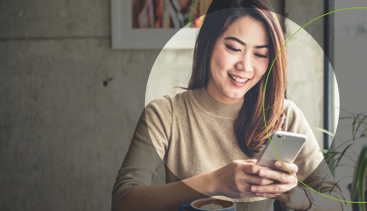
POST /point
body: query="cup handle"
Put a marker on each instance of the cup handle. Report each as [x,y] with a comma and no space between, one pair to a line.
[186,207]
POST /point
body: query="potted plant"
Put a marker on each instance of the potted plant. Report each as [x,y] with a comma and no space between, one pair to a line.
[333,157]
[358,187]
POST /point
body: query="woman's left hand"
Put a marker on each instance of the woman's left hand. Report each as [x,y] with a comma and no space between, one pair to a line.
[285,190]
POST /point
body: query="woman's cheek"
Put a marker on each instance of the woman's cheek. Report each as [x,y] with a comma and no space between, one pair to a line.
[223,62]
[220,57]
[264,67]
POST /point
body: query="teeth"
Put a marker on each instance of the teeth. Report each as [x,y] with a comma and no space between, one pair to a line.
[238,79]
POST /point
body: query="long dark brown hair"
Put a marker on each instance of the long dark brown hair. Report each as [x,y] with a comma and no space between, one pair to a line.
[249,125]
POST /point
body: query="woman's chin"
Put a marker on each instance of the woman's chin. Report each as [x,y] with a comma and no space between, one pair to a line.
[235,95]
[235,98]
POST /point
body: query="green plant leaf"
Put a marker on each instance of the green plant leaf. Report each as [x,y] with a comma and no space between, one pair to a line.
[362,182]
[330,155]
[356,173]
[324,131]
[324,151]
[359,124]
[342,154]
[337,160]
[358,186]
[353,127]
[335,184]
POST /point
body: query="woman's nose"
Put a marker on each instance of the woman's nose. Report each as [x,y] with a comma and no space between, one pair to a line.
[245,63]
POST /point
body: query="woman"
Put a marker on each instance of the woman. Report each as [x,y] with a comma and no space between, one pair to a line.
[210,136]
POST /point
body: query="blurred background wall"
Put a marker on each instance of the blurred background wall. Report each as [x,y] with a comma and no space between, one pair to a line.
[69,104]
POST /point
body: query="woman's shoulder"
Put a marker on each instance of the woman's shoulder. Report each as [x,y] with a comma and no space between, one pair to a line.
[289,107]
[168,103]
[161,110]
[294,117]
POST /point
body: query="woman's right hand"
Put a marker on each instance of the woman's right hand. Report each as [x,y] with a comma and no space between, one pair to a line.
[235,179]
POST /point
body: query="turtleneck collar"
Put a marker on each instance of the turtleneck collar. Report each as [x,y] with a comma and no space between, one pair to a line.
[209,104]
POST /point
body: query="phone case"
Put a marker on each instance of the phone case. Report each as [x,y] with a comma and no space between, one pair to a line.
[287,146]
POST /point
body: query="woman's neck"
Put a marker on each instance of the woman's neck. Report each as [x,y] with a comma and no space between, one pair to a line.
[213,91]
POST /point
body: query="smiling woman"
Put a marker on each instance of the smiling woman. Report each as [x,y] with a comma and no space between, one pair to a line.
[210,136]
[242,42]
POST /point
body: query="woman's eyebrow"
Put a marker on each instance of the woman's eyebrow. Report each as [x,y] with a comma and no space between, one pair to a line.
[236,39]
[243,43]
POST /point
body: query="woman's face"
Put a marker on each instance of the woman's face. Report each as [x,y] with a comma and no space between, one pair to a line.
[239,59]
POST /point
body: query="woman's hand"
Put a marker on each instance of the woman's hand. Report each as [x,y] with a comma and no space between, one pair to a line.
[284,190]
[285,181]
[235,179]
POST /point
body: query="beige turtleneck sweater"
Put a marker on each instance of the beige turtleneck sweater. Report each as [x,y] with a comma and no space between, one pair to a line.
[193,134]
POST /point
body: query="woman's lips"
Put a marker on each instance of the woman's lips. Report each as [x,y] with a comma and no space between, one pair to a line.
[236,82]
[238,79]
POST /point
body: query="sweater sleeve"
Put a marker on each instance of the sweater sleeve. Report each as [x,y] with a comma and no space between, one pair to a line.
[313,170]
[147,149]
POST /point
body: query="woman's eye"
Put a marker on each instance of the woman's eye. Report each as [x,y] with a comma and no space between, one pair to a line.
[232,48]
[261,55]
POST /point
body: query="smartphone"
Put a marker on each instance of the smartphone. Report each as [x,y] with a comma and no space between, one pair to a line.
[286,144]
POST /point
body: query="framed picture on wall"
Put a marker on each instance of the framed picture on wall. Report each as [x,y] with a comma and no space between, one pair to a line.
[153,24]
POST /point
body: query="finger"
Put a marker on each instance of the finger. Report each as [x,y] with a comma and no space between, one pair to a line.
[267,195]
[256,180]
[293,168]
[252,168]
[252,160]
[272,189]
[279,176]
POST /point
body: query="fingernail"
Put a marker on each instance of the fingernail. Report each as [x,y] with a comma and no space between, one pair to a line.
[254,188]
[262,173]
[258,194]
[278,164]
